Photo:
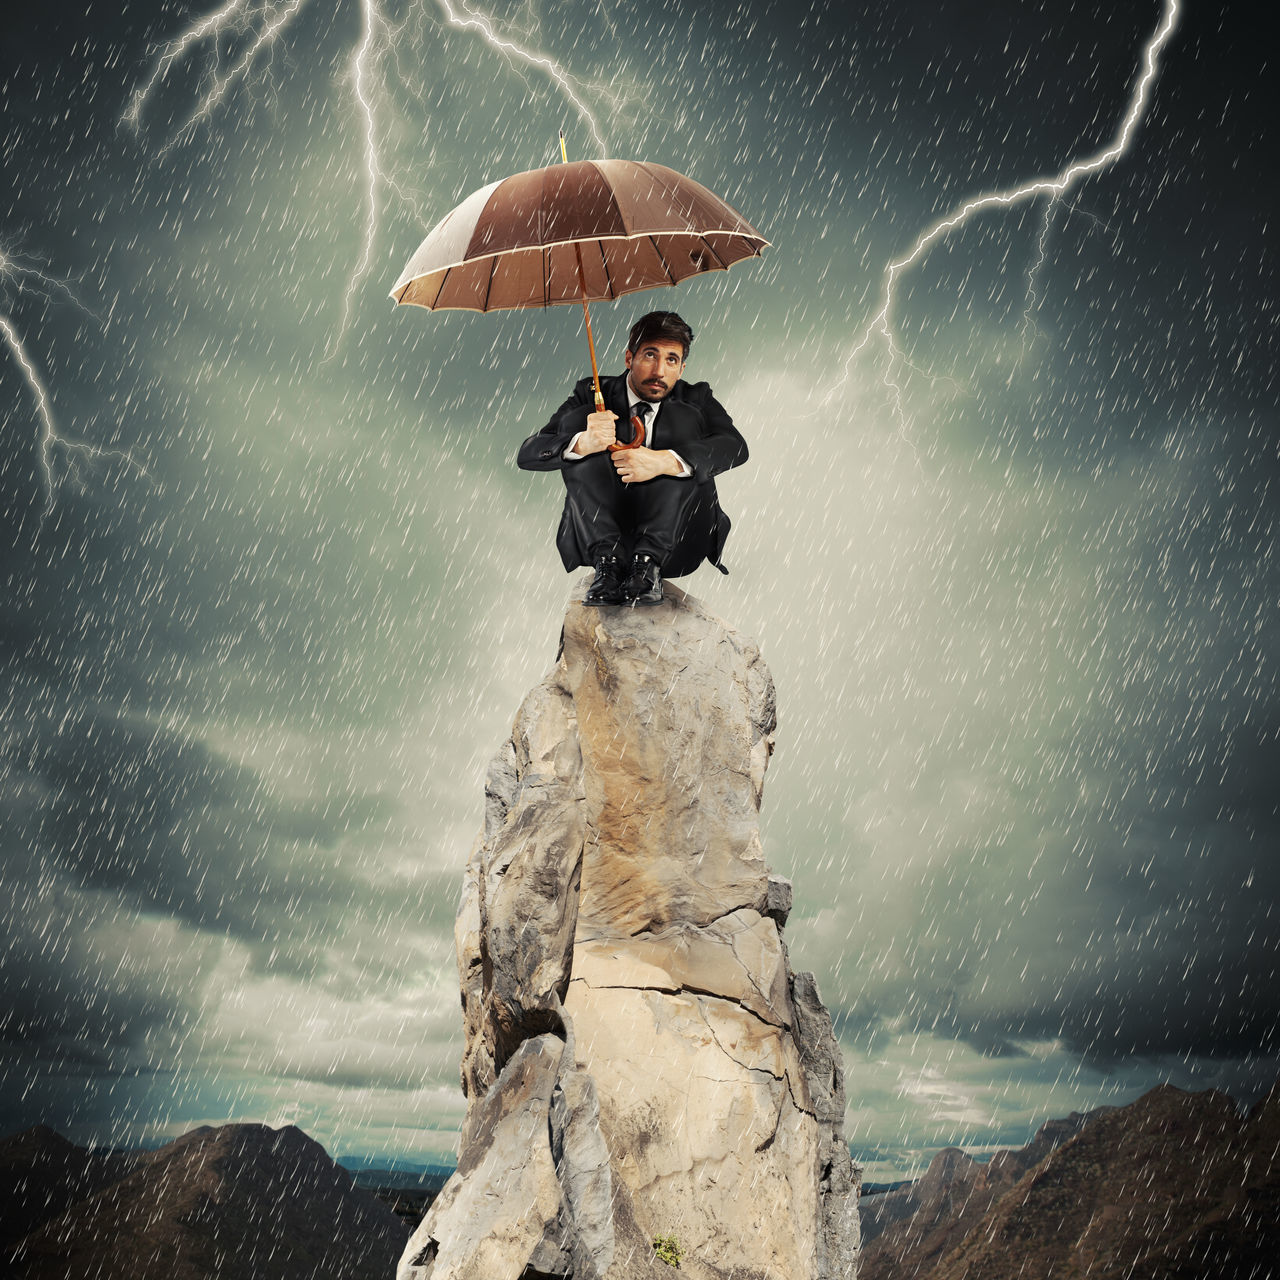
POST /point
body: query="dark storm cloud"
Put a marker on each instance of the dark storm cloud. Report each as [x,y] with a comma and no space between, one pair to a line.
[168,825]
[88,989]
[130,855]
[88,986]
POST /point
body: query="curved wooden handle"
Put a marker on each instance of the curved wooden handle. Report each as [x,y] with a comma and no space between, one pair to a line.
[637,440]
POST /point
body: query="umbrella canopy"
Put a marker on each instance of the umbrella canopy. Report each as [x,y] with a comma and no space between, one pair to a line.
[517,243]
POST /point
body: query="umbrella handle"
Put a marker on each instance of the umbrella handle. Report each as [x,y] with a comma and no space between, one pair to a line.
[637,438]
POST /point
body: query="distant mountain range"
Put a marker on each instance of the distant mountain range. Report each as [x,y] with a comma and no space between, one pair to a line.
[1175,1186]
[379,1172]
[367,1166]
[239,1202]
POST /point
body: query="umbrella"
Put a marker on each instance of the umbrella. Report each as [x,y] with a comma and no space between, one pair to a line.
[574,233]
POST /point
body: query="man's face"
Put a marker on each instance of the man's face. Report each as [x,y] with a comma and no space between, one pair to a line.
[655,368]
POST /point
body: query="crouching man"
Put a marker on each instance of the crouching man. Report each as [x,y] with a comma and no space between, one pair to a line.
[636,512]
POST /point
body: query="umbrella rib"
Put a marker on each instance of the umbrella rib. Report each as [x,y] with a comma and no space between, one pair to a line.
[604,262]
[662,258]
[488,286]
[710,248]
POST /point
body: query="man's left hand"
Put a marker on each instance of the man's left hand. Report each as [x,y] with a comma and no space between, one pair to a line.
[639,464]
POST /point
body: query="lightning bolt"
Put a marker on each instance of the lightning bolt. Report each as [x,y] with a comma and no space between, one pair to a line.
[214,24]
[235,18]
[559,76]
[259,27]
[24,269]
[49,432]
[78,453]
[1054,188]
[1042,253]
[1033,272]
[374,174]
[256,26]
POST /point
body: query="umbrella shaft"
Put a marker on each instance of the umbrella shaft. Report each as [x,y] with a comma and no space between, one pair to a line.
[591,342]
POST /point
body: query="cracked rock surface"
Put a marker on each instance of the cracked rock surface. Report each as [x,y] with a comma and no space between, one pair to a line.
[640,1060]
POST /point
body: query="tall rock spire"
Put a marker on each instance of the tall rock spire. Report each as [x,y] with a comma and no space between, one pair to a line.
[640,1064]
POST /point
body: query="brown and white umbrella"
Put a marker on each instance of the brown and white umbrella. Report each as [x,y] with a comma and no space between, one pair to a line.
[575,233]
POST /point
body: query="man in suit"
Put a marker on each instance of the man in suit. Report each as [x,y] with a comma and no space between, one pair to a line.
[638,513]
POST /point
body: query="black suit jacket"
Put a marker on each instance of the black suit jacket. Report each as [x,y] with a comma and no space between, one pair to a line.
[692,422]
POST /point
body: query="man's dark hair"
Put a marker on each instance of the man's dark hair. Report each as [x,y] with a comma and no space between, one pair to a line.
[660,326]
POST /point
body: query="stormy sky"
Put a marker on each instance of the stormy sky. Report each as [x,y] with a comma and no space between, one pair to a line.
[273,587]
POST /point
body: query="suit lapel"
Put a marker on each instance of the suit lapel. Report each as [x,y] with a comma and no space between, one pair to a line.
[673,425]
[615,398]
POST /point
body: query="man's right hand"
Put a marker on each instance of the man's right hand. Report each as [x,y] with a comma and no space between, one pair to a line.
[599,435]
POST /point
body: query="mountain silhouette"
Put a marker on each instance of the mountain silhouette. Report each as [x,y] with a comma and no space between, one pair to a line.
[1175,1186]
[240,1201]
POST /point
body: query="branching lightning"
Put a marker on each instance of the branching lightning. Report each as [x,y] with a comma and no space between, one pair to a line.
[258,26]
[254,26]
[1042,254]
[23,270]
[1033,272]
[564,82]
[1053,188]
[237,17]
[79,454]
[49,432]
[213,24]
[360,83]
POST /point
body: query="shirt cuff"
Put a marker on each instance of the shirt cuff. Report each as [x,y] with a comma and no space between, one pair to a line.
[685,469]
[569,455]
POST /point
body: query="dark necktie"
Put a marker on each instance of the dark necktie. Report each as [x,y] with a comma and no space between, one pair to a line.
[640,414]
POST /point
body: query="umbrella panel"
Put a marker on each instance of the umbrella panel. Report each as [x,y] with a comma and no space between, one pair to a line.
[546,206]
[653,198]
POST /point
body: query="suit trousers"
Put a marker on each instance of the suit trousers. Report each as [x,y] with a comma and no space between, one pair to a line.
[613,518]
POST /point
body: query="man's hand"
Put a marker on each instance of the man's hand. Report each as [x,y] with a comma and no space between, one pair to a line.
[639,464]
[599,435]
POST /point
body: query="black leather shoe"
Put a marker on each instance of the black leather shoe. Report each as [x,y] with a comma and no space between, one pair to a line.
[606,586]
[644,582]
